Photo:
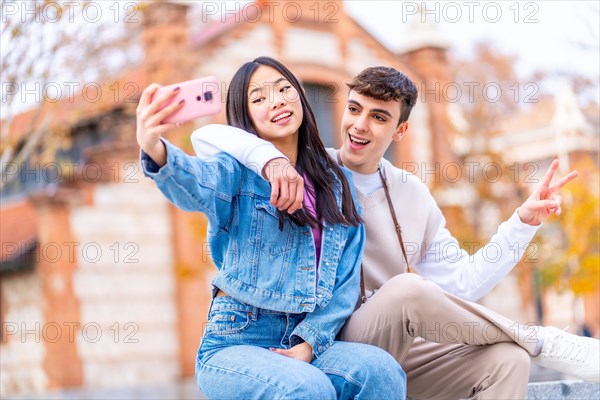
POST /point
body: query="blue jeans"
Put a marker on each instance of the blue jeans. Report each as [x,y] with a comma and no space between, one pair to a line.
[234,361]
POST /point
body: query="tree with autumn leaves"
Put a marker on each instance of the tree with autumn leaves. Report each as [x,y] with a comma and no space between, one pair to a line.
[565,254]
[57,59]
[573,262]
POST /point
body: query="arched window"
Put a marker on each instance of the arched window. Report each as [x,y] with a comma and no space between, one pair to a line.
[322,100]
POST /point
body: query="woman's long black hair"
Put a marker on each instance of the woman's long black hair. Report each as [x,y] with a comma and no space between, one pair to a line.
[313,160]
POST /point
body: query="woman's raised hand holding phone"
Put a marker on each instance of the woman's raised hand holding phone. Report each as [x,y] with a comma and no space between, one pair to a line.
[161,108]
[149,121]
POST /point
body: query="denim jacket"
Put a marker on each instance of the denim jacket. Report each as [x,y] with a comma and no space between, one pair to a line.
[257,263]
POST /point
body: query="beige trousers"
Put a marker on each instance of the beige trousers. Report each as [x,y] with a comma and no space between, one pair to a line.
[448,347]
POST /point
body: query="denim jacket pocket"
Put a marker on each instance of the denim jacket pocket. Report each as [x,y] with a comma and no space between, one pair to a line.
[265,229]
[228,321]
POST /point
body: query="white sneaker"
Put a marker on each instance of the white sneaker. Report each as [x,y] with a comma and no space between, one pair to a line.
[573,355]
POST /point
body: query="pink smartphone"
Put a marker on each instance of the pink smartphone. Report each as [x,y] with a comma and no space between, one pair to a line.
[202,97]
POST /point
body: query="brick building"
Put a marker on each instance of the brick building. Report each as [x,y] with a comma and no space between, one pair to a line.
[106,284]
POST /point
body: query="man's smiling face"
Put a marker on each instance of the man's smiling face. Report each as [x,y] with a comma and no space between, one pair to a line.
[368,128]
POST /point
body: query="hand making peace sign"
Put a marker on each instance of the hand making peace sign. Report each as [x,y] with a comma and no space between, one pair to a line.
[544,201]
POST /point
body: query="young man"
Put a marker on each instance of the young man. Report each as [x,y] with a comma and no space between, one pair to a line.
[448,346]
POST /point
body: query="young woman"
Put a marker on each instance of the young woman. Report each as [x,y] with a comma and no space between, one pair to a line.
[285,283]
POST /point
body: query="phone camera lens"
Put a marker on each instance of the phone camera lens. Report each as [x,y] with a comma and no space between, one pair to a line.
[208,96]
[198,98]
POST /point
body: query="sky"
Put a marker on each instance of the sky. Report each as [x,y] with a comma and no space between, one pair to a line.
[542,34]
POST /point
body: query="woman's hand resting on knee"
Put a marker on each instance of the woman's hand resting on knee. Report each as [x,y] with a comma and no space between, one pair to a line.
[302,351]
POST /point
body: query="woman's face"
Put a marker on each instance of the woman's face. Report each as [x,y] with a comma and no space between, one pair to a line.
[274,105]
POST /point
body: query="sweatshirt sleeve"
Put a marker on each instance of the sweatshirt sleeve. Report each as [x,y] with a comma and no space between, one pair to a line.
[208,186]
[473,276]
[250,150]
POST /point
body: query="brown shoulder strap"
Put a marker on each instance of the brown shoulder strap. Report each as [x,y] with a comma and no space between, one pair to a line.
[396,223]
[363,295]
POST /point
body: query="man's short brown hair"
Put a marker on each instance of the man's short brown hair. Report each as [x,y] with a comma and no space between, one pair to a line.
[385,83]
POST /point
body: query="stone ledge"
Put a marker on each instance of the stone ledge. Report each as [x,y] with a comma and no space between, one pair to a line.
[559,390]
